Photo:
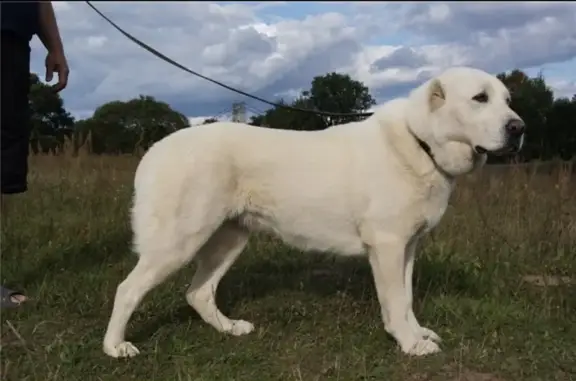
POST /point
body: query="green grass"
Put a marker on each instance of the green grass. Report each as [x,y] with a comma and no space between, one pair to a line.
[66,243]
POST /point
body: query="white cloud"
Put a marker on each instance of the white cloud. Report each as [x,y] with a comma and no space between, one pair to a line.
[562,87]
[96,41]
[259,48]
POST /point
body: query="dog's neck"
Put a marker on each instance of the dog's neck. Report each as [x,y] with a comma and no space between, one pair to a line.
[428,151]
[417,147]
[452,159]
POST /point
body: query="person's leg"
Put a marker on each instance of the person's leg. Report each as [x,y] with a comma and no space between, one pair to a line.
[15,130]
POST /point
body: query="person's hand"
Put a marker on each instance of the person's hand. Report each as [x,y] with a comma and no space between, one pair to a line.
[56,63]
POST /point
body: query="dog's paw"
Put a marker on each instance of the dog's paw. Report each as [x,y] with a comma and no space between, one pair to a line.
[423,347]
[429,334]
[125,349]
[240,327]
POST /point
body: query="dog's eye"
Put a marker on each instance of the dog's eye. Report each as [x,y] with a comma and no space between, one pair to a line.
[508,101]
[482,97]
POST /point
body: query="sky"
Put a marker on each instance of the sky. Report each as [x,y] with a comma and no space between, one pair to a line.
[274,49]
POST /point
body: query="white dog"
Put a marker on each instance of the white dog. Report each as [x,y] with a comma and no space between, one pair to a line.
[371,187]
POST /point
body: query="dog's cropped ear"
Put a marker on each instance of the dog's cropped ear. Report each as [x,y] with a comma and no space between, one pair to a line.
[437,97]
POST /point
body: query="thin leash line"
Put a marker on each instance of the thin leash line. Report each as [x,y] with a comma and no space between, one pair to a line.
[184,68]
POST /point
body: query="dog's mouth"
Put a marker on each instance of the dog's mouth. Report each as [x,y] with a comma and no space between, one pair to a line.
[480,150]
[508,150]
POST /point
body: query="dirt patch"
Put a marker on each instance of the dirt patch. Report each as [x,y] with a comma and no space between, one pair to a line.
[548,280]
[463,375]
[418,377]
[476,376]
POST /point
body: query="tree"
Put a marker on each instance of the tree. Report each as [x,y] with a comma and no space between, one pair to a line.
[50,122]
[82,136]
[561,129]
[533,100]
[127,127]
[332,92]
[210,121]
[286,119]
[550,122]
[257,120]
[339,93]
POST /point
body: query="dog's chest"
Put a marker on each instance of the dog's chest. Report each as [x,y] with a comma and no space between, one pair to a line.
[432,202]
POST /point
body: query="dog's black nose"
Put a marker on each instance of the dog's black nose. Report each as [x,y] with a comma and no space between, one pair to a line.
[515,127]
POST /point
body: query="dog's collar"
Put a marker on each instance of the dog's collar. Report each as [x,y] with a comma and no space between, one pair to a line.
[425,147]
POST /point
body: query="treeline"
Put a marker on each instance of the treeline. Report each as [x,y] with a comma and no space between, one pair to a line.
[131,127]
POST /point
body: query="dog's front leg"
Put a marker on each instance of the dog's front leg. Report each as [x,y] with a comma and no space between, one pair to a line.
[408,275]
[387,258]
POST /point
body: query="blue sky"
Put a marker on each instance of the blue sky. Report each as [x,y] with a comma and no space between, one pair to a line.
[274,49]
[565,69]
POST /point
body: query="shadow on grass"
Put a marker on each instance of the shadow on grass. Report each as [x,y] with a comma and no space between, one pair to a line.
[321,275]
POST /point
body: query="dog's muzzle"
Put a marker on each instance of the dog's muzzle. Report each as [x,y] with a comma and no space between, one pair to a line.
[514,131]
[514,134]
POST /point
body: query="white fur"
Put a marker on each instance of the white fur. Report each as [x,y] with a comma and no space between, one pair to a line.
[360,188]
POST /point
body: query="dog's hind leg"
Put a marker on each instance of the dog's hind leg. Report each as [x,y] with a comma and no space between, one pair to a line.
[213,260]
[426,333]
[157,262]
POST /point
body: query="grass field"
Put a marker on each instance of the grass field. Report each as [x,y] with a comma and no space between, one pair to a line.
[480,283]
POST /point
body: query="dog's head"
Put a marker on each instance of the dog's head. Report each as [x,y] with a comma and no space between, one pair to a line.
[470,106]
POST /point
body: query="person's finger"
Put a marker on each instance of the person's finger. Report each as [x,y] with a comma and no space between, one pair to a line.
[63,72]
[49,72]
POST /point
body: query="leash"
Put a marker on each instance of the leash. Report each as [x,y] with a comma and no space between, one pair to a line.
[190,71]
